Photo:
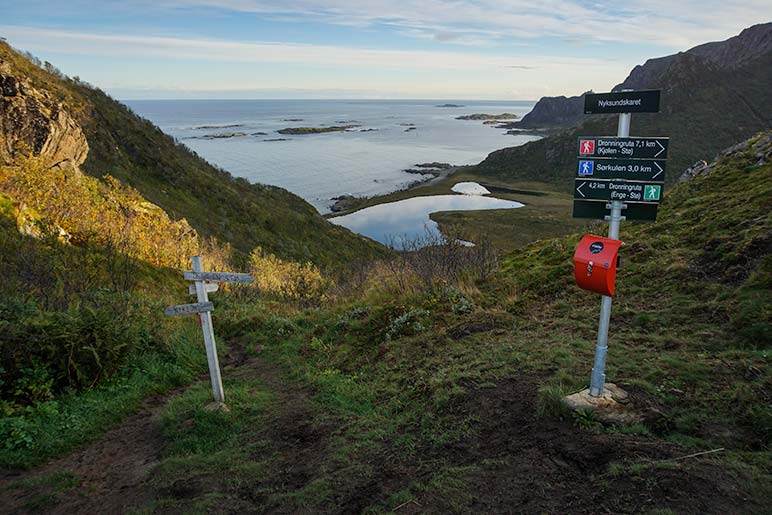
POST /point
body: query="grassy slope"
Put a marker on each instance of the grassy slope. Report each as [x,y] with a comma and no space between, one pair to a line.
[703,111]
[62,278]
[411,403]
[138,153]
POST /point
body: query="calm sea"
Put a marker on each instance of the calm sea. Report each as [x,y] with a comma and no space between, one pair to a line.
[319,167]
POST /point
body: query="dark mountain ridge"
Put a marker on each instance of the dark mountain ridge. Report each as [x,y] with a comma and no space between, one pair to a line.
[751,44]
[712,95]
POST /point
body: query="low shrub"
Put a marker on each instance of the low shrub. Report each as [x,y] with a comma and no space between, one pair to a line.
[46,352]
[287,279]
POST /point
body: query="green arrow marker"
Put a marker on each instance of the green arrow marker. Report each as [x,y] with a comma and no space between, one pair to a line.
[651,192]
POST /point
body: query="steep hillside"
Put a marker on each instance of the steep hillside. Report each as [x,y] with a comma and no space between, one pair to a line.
[435,380]
[50,113]
[712,96]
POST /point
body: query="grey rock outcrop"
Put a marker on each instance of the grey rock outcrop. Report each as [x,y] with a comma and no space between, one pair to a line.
[680,70]
[553,112]
[32,121]
[759,149]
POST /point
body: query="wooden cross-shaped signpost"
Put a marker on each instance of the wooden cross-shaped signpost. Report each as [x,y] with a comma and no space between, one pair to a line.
[202,285]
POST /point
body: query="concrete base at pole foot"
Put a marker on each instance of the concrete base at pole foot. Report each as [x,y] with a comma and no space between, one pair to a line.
[217,406]
[613,406]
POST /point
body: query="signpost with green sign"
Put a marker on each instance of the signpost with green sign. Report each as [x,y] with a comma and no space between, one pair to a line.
[615,175]
[624,169]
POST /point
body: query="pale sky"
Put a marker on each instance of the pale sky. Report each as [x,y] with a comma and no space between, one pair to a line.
[439,49]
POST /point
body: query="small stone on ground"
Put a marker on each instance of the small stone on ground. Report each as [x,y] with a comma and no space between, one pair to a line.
[217,406]
[613,406]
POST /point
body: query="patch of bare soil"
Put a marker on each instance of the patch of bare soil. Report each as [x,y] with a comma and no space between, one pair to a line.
[516,463]
[110,472]
[527,464]
[302,449]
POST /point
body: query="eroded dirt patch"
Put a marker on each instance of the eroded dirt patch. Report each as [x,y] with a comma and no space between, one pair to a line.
[107,476]
[527,464]
[513,462]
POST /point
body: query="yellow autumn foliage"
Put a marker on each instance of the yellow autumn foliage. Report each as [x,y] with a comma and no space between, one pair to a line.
[102,212]
[287,279]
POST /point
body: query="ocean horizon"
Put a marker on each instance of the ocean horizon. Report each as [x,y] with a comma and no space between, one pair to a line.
[385,138]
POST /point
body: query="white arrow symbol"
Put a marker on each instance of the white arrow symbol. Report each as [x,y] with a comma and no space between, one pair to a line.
[661,148]
[659,172]
[579,190]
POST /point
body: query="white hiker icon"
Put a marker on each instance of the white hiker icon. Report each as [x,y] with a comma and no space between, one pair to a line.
[586,168]
[586,147]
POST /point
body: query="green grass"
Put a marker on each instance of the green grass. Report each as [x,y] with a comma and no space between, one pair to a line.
[210,455]
[674,338]
[55,427]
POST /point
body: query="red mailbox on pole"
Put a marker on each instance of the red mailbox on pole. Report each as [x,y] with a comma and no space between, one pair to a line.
[595,264]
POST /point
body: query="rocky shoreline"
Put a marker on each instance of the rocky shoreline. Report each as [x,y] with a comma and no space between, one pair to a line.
[437,170]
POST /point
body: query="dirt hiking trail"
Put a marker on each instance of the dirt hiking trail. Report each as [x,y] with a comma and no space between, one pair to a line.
[514,462]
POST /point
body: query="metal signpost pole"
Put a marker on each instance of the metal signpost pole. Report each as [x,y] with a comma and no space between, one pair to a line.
[206,327]
[598,377]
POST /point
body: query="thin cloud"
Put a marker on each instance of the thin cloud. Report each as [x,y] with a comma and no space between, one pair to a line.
[673,24]
[269,52]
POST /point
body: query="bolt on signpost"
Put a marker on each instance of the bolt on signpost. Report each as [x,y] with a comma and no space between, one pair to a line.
[615,174]
[201,286]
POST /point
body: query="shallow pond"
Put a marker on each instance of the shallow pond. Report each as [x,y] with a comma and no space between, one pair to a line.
[408,220]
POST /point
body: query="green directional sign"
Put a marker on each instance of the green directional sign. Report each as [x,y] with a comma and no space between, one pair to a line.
[625,191]
[591,197]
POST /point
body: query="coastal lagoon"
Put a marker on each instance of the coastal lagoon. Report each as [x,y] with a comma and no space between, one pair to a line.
[390,136]
[394,223]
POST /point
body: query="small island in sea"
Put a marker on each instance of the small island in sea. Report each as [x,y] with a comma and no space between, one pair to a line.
[450,105]
[223,135]
[229,126]
[315,130]
[482,116]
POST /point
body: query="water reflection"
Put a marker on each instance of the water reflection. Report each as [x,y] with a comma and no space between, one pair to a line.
[408,219]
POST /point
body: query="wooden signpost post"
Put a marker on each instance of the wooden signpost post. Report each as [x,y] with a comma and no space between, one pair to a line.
[201,286]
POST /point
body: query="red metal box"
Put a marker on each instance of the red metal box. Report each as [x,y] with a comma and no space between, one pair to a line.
[595,264]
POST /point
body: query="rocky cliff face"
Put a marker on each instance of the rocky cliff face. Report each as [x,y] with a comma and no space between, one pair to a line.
[680,70]
[30,120]
[554,112]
